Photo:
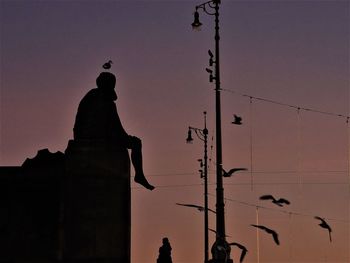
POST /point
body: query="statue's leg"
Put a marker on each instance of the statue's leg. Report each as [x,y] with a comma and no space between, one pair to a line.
[136,159]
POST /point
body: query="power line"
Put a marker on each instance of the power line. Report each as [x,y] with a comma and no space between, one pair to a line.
[288,105]
[245,184]
[254,172]
[280,211]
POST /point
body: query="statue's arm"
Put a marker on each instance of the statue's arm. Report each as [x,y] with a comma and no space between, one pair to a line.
[128,140]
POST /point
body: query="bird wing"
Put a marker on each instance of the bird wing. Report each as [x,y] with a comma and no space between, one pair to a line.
[275,237]
[323,223]
[201,208]
[244,252]
[224,173]
[267,197]
[212,230]
[236,170]
[238,118]
[237,245]
[258,226]
[319,218]
[328,227]
[211,210]
[273,233]
[270,231]
[284,201]
[243,248]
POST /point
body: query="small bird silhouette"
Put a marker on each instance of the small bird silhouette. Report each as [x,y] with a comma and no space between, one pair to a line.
[237,120]
[200,208]
[209,70]
[108,64]
[278,202]
[232,171]
[324,225]
[269,231]
[243,248]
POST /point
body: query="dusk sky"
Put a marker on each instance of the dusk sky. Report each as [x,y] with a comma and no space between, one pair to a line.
[284,51]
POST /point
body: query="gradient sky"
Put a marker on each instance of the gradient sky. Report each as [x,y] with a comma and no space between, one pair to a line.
[294,52]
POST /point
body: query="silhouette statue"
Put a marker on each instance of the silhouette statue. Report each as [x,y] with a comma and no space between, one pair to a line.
[97,120]
[165,252]
[98,214]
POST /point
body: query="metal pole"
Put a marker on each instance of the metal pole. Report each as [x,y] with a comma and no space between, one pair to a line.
[220,219]
[206,225]
[220,249]
[219,256]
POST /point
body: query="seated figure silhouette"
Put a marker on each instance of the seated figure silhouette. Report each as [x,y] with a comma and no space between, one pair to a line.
[165,252]
[97,119]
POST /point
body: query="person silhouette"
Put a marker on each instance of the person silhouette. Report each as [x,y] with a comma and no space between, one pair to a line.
[97,119]
[165,252]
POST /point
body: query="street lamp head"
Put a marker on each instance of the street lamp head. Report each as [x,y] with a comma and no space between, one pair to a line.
[196,23]
[189,136]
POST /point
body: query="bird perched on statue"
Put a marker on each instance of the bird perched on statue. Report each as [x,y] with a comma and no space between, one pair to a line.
[108,64]
[200,208]
[269,231]
[232,171]
[243,248]
[237,120]
[278,202]
[324,225]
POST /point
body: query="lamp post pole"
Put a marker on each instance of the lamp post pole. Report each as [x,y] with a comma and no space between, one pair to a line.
[202,134]
[220,249]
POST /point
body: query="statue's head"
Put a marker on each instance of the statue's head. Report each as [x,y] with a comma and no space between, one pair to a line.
[165,240]
[106,80]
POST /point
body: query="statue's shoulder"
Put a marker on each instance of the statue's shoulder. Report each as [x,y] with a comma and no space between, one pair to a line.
[90,97]
[91,94]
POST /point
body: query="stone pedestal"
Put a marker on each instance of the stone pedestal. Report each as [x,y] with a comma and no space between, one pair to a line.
[72,208]
[97,209]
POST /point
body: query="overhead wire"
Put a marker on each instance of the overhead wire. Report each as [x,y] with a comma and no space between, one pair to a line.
[282,211]
[287,105]
[255,172]
[244,184]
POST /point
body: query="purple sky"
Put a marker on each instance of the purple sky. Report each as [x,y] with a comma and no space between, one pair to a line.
[295,52]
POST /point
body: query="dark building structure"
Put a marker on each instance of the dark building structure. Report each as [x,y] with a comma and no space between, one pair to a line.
[60,208]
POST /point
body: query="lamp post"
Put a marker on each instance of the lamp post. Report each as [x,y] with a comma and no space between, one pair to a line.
[220,249]
[202,134]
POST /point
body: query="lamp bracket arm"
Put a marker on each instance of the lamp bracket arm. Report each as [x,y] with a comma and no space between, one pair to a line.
[203,7]
[199,134]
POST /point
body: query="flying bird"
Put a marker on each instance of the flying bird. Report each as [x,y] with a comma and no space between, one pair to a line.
[278,202]
[243,248]
[237,120]
[108,64]
[200,208]
[269,231]
[230,173]
[324,225]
